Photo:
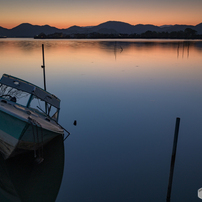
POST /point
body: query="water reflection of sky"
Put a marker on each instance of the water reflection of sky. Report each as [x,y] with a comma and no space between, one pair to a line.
[125,96]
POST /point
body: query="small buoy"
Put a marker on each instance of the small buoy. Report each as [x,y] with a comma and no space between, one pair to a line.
[75,122]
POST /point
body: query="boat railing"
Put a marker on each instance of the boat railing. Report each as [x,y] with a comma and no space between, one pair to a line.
[30,88]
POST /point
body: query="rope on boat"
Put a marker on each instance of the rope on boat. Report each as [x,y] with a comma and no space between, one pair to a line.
[37,125]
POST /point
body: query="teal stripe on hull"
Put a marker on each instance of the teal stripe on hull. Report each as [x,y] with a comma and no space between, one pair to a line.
[11,125]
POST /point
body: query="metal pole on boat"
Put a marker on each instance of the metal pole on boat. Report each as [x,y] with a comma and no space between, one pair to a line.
[173,159]
[43,66]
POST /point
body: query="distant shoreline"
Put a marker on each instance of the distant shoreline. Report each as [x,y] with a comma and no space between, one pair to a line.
[188,33]
[114,38]
[24,37]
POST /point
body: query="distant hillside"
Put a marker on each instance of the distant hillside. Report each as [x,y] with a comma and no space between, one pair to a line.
[3,31]
[176,28]
[110,27]
[198,28]
[27,30]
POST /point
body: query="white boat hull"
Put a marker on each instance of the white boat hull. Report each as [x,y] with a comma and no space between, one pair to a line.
[21,131]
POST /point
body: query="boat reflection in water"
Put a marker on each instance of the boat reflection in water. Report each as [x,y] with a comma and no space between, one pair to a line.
[23,179]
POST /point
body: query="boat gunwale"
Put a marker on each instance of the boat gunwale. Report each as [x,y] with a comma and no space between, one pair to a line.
[32,115]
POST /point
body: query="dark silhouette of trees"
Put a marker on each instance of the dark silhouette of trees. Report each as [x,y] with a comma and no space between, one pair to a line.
[188,33]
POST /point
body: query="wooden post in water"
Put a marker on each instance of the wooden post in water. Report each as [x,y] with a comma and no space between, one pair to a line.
[44,75]
[173,158]
[43,66]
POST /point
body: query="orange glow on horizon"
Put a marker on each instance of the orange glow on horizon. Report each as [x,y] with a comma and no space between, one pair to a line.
[63,14]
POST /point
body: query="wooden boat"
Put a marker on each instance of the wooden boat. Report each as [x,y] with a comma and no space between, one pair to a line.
[26,122]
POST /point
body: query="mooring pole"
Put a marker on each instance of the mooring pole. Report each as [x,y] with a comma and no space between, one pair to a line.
[173,158]
[43,66]
[44,75]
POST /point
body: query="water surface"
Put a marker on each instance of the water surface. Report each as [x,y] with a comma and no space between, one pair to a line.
[125,96]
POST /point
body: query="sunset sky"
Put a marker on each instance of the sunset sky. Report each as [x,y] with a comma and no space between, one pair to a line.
[66,13]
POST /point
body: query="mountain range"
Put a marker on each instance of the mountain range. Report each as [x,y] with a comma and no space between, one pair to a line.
[109,27]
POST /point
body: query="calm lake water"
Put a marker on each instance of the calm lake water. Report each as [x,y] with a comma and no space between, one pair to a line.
[125,96]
